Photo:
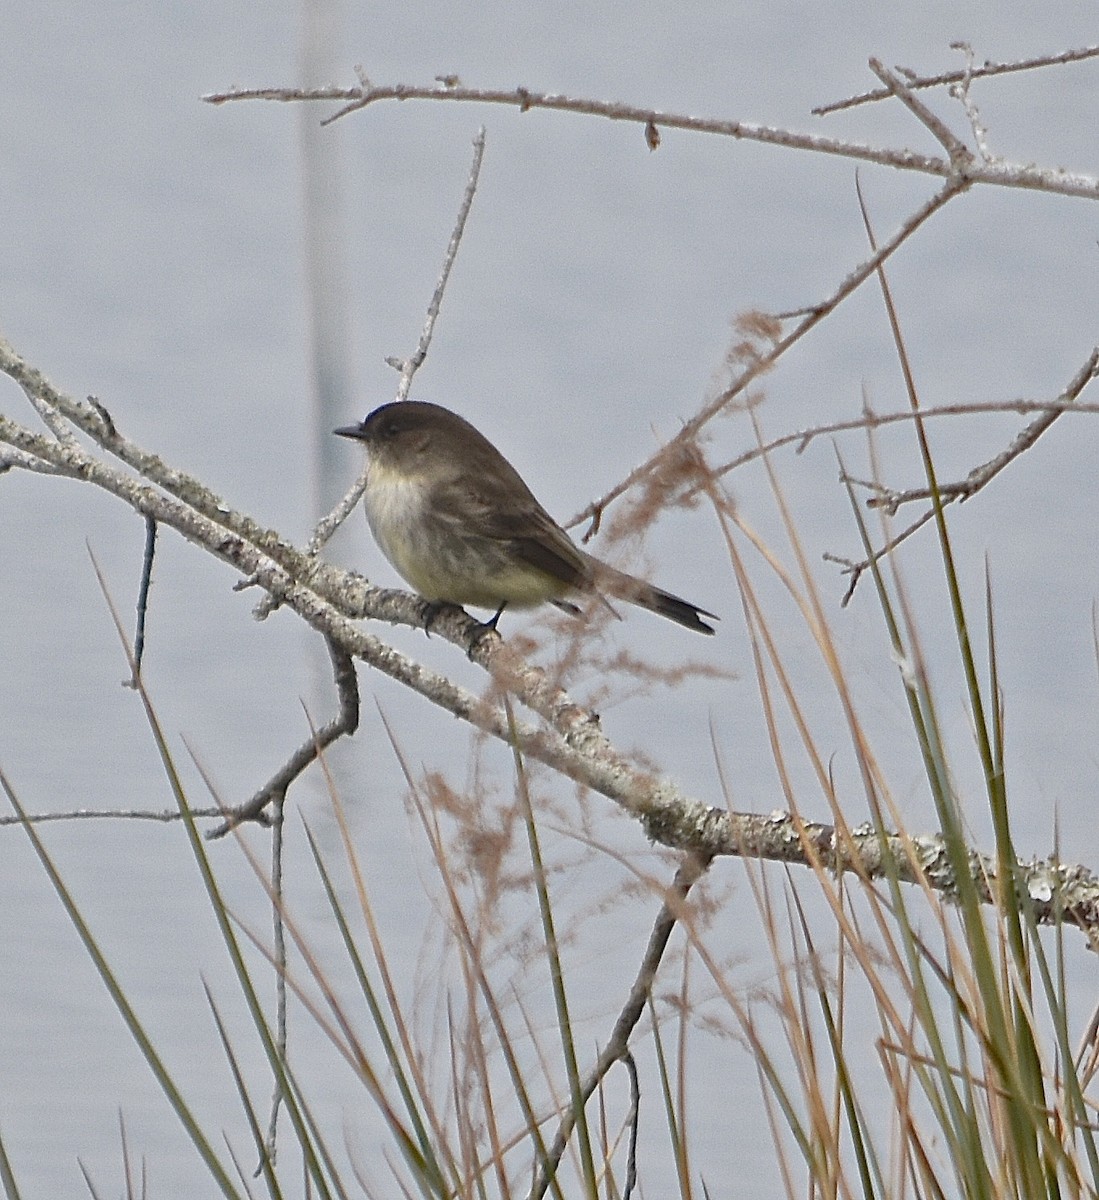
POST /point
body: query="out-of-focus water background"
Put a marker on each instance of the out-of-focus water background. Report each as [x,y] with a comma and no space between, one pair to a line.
[154,256]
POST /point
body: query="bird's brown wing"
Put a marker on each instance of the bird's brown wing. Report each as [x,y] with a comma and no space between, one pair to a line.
[512,517]
[551,550]
[505,510]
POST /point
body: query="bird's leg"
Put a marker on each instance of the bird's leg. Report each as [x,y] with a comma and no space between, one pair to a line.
[486,628]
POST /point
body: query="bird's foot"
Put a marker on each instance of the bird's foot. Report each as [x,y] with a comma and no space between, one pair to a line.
[432,610]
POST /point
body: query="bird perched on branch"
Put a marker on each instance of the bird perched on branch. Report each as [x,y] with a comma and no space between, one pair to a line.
[457,521]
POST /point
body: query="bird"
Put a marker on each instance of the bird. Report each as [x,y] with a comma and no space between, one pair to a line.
[457,522]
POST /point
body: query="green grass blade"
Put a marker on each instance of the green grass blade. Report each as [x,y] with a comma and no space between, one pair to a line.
[557,975]
[114,989]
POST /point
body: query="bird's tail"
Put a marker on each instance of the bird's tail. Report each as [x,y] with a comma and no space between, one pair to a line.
[637,591]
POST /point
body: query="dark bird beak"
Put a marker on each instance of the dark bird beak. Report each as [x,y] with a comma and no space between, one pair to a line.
[349,431]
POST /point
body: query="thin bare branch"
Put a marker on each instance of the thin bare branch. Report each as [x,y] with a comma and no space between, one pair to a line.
[164,816]
[143,597]
[802,439]
[690,871]
[962,92]
[1016,175]
[980,476]
[854,569]
[764,362]
[891,500]
[91,418]
[344,723]
[408,367]
[986,70]
[959,153]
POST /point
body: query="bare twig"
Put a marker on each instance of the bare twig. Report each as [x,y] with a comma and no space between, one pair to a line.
[764,362]
[960,91]
[854,570]
[408,367]
[90,417]
[1016,175]
[938,493]
[690,871]
[143,597]
[922,82]
[164,816]
[51,417]
[891,500]
[959,153]
[190,507]
[346,721]
[980,476]
[802,439]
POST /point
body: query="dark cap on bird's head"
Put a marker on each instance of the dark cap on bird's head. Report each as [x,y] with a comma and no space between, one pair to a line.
[413,431]
[403,417]
[407,416]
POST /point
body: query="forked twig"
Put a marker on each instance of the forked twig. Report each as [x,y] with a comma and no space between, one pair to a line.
[690,871]
[650,120]
[891,500]
[987,69]
[764,362]
[962,489]
[345,722]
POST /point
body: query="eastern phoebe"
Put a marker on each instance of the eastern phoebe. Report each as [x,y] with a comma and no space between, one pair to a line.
[456,520]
